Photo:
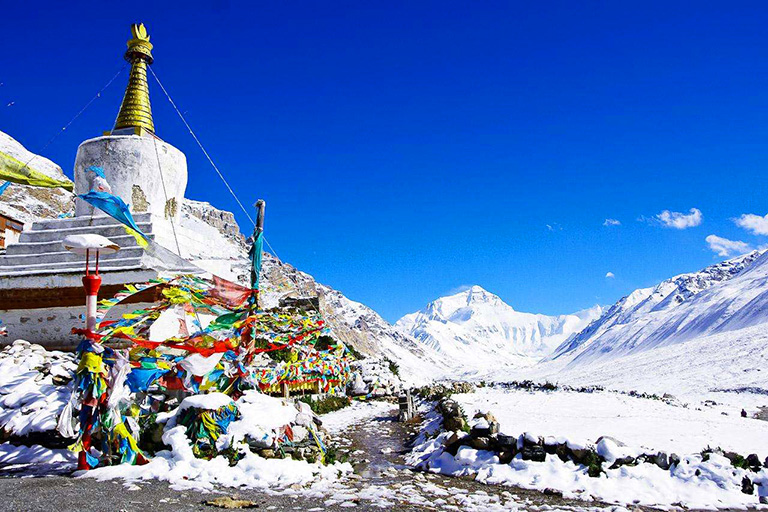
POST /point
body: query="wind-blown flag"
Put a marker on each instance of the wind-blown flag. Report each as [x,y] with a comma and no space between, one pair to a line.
[113,206]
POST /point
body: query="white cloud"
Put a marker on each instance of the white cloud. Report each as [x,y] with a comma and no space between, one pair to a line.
[610,275]
[612,222]
[680,220]
[724,247]
[754,223]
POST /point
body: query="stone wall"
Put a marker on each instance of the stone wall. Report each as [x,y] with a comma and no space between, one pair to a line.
[52,327]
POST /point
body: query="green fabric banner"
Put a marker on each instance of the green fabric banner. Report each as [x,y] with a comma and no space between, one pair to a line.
[16,172]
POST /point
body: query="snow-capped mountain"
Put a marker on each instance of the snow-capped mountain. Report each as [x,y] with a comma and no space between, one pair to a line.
[475,328]
[724,297]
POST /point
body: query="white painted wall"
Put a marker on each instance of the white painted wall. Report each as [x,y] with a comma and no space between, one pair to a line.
[135,167]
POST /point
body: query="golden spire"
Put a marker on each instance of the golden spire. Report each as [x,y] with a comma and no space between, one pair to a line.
[135,111]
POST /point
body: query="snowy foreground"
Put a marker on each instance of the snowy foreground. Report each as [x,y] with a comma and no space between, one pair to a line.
[36,387]
[635,426]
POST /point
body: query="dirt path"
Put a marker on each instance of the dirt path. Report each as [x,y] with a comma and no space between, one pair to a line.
[377,447]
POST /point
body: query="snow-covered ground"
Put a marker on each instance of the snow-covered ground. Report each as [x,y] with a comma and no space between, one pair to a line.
[640,425]
[638,422]
[30,400]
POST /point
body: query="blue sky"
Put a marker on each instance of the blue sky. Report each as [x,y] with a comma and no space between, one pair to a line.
[406,149]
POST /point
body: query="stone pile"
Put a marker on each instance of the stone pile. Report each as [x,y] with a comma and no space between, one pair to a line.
[444,389]
[373,377]
[302,445]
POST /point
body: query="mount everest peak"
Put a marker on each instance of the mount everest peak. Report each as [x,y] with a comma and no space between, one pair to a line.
[475,328]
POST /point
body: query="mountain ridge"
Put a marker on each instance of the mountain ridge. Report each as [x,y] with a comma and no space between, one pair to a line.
[675,310]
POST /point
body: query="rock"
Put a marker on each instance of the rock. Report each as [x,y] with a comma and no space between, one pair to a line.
[661,460]
[534,453]
[222,220]
[611,439]
[267,453]
[753,461]
[528,439]
[747,487]
[480,443]
[505,442]
[449,408]
[463,387]
[304,419]
[299,433]
[455,423]
[228,502]
[453,443]
[356,385]
[562,452]
[453,418]
[488,416]
[506,456]
[623,461]
[674,459]
[28,204]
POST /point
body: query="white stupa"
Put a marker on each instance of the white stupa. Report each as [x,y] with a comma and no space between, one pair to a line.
[41,293]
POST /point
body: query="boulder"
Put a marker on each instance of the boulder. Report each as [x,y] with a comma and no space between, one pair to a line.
[505,442]
[480,443]
[506,456]
[747,487]
[454,423]
[753,461]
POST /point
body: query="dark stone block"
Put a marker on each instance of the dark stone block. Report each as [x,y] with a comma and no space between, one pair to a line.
[534,452]
[506,442]
[747,487]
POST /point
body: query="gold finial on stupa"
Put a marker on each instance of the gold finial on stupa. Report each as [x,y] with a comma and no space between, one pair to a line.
[136,111]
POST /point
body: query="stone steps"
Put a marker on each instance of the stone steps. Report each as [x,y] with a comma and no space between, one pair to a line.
[62,255]
[58,234]
[64,267]
[124,241]
[78,222]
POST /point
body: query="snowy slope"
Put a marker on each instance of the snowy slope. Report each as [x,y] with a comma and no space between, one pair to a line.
[721,298]
[728,367]
[30,203]
[475,329]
